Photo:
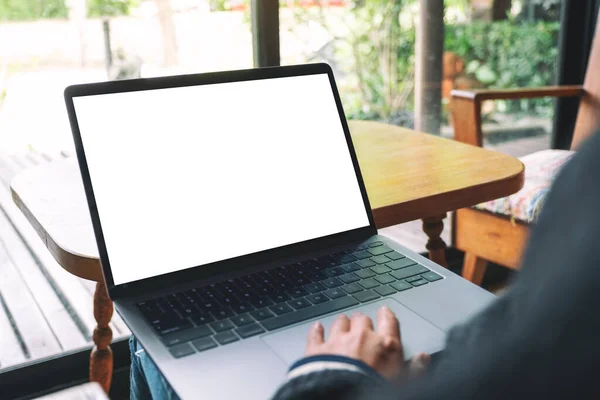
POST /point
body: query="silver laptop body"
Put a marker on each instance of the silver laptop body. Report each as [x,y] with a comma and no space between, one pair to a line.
[230,213]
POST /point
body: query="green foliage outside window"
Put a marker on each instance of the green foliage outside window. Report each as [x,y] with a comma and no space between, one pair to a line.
[506,54]
[109,8]
[500,54]
[375,54]
[23,10]
[26,10]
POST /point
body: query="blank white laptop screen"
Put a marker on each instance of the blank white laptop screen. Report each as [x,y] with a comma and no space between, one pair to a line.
[187,176]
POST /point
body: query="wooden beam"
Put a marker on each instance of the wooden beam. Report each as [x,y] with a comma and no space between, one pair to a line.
[429,62]
[265,32]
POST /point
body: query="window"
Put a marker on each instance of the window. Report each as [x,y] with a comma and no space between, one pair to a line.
[44,310]
[373,47]
[391,57]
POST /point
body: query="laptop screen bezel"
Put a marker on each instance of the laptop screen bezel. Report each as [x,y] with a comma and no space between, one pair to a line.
[193,273]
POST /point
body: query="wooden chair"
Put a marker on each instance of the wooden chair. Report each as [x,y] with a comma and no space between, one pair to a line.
[500,237]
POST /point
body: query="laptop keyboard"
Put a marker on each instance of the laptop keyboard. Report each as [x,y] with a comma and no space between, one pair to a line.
[225,312]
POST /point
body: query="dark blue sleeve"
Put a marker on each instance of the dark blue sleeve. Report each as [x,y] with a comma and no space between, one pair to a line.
[541,339]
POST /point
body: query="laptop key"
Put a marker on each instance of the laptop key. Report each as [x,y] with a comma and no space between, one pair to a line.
[381,269]
[297,292]
[281,308]
[202,318]
[150,309]
[376,251]
[261,302]
[184,336]
[365,263]
[332,282]
[352,288]
[226,337]
[300,280]
[242,319]
[384,279]
[367,295]
[375,244]
[368,283]
[349,278]
[365,273]
[317,298]
[382,259]
[167,326]
[221,313]
[181,350]
[351,267]
[261,315]
[413,278]
[310,312]
[385,290]
[419,282]
[347,258]
[208,306]
[223,325]
[249,330]
[298,304]
[401,285]
[335,271]
[314,287]
[399,264]
[317,276]
[361,254]
[409,271]
[279,296]
[204,344]
[242,308]
[335,293]
[432,276]
[394,255]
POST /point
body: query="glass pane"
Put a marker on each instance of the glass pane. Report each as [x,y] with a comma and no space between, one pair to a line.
[44,310]
[505,44]
[374,48]
[370,46]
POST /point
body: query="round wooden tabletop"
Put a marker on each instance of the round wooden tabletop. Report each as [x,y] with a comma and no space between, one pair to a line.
[408,175]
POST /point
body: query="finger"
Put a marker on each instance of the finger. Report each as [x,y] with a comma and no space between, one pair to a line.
[387,323]
[361,321]
[315,336]
[340,325]
[418,364]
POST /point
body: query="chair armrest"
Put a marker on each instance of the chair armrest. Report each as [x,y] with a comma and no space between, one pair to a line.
[465,106]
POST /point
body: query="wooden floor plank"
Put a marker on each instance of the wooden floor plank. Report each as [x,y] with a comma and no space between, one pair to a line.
[50,304]
[78,298]
[5,175]
[11,352]
[30,322]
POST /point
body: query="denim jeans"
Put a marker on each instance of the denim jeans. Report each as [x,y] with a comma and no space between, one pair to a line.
[146,381]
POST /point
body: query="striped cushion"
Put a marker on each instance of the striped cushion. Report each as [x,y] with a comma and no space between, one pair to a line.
[540,169]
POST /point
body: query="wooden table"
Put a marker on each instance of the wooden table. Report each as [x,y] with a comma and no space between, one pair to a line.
[408,175]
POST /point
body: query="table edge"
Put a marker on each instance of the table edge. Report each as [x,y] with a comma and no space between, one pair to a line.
[77,264]
[408,211]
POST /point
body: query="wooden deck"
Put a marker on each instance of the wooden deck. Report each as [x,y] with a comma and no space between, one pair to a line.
[44,310]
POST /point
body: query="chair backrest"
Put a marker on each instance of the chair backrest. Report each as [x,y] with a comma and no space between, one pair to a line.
[588,118]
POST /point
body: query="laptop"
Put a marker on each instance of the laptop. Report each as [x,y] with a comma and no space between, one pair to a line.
[230,213]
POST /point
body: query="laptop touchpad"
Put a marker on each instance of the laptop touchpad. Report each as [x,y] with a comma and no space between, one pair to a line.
[418,335]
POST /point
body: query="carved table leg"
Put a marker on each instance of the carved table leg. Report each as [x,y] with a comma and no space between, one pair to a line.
[433,227]
[101,359]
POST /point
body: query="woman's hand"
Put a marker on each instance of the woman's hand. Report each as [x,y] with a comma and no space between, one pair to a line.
[354,337]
